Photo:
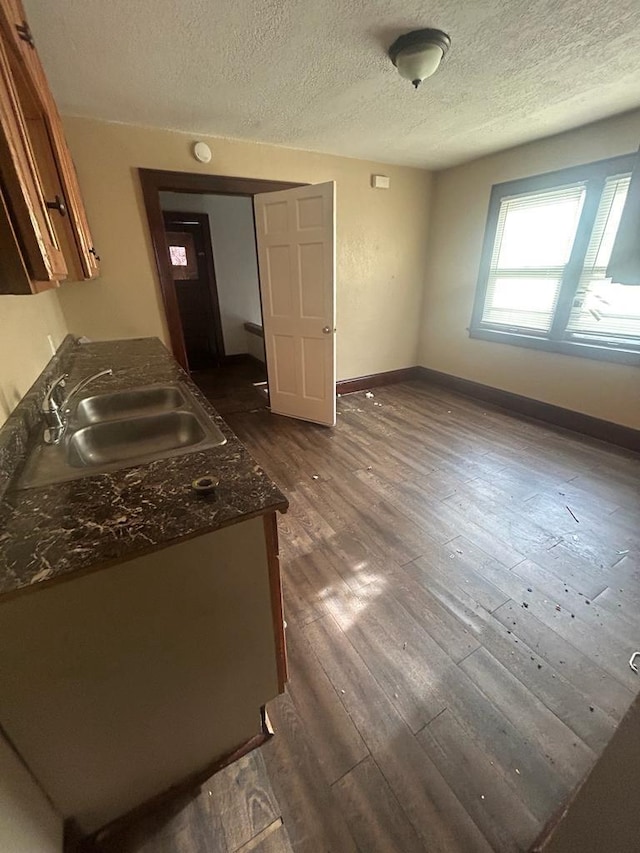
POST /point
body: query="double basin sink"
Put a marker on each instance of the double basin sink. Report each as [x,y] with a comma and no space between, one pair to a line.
[106,432]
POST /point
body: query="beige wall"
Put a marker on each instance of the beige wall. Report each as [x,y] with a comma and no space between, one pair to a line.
[459,209]
[381,237]
[25,323]
[28,823]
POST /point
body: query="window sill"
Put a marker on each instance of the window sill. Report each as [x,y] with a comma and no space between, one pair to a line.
[581,350]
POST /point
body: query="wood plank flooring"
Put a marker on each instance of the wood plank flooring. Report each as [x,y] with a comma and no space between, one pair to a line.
[462,592]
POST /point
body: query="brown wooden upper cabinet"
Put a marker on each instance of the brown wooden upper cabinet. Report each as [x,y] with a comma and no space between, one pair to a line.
[44,233]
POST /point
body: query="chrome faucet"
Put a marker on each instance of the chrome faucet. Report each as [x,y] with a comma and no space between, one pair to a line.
[55,406]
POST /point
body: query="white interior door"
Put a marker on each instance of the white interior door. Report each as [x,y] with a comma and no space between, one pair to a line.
[295,231]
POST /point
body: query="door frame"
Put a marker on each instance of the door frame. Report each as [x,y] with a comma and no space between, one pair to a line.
[155,181]
[205,224]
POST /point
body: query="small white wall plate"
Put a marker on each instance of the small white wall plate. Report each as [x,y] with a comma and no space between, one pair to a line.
[202,152]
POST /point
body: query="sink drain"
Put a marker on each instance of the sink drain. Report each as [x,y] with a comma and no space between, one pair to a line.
[205,485]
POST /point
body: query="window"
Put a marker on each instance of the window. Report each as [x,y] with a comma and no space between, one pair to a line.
[182,255]
[178,256]
[543,279]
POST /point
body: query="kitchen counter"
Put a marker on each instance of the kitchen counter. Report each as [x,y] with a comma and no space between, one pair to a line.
[54,532]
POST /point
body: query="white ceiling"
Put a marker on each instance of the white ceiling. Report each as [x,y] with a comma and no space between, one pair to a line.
[314,74]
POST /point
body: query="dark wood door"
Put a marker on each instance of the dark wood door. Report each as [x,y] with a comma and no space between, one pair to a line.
[191,260]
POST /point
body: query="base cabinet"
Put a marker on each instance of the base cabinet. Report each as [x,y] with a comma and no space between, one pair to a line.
[120,684]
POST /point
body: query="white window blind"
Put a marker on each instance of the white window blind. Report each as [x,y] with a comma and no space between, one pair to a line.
[534,238]
[603,309]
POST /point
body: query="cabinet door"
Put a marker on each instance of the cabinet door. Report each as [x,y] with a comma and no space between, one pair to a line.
[84,260]
[23,186]
[14,276]
[17,28]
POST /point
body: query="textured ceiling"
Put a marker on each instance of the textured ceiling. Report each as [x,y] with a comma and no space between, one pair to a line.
[314,74]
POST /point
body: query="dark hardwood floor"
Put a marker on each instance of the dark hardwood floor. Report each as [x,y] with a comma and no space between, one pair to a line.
[462,592]
[234,387]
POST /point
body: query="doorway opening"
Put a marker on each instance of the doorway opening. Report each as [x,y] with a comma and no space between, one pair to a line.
[191,256]
[203,233]
[211,242]
[247,277]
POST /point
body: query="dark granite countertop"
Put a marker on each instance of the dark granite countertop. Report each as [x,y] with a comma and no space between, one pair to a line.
[54,532]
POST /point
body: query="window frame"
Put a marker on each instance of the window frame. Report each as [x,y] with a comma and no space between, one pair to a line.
[594,175]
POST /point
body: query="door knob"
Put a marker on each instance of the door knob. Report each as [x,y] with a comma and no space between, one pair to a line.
[327,330]
[58,205]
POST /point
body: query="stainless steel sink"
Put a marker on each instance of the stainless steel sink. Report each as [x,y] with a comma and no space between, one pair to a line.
[117,441]
[107,432]
[128,404]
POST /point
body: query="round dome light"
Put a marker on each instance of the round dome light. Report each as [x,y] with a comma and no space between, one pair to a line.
[418,54]
[202,152]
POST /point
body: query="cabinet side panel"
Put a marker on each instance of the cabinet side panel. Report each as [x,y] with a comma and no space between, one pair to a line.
[277,610]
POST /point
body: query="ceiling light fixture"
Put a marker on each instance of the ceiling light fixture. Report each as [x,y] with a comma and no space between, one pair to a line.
[418,54]
[202,152]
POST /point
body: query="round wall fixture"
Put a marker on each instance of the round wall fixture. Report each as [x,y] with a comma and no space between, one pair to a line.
[202,152]
[418,54]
